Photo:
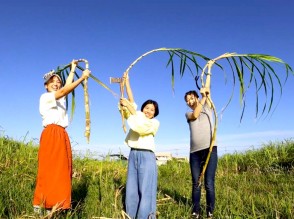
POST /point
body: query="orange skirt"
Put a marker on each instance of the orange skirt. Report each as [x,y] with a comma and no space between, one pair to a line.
[53,185]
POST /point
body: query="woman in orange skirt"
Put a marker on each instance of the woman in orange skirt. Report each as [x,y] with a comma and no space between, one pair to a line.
[53,185]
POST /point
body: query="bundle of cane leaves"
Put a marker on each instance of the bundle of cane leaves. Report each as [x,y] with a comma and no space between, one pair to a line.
[63,72]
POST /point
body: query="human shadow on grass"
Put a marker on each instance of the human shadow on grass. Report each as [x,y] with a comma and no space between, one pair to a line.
[79,194]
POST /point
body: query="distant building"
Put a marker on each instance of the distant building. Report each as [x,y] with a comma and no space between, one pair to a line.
[163,157]
[182,159]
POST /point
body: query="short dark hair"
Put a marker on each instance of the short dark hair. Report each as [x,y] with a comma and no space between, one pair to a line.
[155,104]
[191,92]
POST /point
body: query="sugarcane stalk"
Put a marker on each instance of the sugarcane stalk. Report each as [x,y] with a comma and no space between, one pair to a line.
[122,85]
[208,66]
[211,144]
[62,70]
[86,98]
[149,52]
[141,57]
[122,82]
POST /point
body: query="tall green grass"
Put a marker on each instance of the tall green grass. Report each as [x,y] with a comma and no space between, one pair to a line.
[254,184]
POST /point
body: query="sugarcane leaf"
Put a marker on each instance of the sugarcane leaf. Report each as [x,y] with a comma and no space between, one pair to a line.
[250,69]
[184,65]
[261,73]
[103,85]
[181,64]
[233,88]
[272,91]
[243,108]
[262,76]
[98,81]
[196,65]
[240,77]
[267,66]
[266,85]
[256,97]
[171,54]
[266,93]
[267,71]
[253,79]
[173,75]
[180,55]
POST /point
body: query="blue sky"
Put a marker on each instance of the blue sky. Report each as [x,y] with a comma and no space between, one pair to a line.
[37,36]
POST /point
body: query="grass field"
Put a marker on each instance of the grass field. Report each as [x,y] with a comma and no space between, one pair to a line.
[253,184]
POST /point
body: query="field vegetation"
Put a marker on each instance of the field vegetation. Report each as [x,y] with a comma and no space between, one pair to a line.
[253,184]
